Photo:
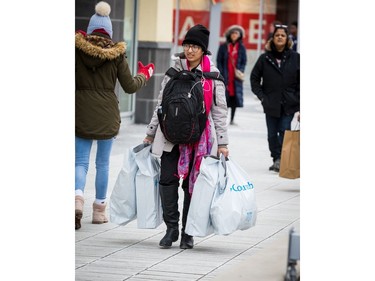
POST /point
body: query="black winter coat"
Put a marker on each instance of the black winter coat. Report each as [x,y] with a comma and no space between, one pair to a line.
[277,88]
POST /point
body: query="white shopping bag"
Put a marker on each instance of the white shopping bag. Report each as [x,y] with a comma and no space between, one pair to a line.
[234,207]
[211,175]
[122,203]
[149,210]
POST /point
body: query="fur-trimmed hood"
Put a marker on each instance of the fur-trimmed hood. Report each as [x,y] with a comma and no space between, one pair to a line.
[97,49]
[178,56]
[231,28]
[267,47]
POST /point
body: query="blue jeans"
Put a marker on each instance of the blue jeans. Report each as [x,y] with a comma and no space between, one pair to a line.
[276,127]
[83,148]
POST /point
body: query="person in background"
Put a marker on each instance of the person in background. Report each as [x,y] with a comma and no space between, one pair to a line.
[185,159]
[275,80]
[99,63]
[293,34]
[231,55]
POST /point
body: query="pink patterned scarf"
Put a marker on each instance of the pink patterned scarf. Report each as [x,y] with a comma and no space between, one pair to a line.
[204,146]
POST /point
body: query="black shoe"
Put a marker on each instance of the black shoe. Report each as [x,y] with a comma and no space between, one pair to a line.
[170,236]
[271,168]
[275,166]
[187,241]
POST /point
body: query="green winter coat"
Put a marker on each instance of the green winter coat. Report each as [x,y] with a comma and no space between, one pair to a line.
[99,62]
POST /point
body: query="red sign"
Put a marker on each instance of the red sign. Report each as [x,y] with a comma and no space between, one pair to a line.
[250,22]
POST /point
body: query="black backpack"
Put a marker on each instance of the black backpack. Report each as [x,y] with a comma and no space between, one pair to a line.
[181,114]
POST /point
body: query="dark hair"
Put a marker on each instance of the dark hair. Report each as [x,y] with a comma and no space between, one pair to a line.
[232,28]
[228,37]
[280,26]
[288,43]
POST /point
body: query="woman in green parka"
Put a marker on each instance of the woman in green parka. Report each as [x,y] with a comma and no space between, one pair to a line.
[99,63]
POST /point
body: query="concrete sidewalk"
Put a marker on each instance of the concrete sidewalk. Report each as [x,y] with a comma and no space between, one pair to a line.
[110,252]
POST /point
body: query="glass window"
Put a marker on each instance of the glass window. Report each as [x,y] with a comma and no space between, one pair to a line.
[127,101]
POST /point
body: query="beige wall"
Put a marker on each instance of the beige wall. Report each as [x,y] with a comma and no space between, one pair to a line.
[156,20]
[234,6]
[197,5]
[249,6]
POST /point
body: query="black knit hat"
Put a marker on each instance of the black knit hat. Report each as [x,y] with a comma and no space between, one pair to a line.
[198,35]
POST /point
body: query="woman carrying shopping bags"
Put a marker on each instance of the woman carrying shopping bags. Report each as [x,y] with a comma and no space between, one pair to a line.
[182,161]
[275,80]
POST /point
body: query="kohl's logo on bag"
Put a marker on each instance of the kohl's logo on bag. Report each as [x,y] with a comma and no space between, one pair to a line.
[248,186]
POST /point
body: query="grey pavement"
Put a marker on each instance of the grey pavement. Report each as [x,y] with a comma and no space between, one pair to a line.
[109,252]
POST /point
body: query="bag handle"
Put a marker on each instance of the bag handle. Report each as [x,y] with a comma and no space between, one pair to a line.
[223,175]
[297,125]
[140,147]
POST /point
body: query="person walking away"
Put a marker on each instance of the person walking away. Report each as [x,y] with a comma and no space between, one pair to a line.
[182,161]
[99,62]
[231,55]
[275,80]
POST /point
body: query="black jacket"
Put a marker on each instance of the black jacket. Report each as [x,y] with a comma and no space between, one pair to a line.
[277,88]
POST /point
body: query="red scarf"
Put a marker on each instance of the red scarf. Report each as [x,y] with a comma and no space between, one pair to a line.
[232,62]
[204,145]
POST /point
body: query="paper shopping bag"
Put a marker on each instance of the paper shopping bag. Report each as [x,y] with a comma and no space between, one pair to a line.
[290,155]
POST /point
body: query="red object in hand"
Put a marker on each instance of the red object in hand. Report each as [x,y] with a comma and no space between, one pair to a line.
[146,70]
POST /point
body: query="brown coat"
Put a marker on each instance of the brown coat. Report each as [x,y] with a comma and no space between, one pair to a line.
[99,62]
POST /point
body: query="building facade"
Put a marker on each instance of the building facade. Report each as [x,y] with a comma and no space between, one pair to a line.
[154,30]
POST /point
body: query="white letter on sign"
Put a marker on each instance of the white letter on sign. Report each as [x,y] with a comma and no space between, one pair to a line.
[254,31]
[189,22]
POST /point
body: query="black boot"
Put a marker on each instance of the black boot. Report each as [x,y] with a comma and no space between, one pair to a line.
[275,166]
[171,215]
[170,236]
[187,241]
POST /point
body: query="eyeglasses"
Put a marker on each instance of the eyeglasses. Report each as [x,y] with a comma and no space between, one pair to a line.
[281,25]
[194,48]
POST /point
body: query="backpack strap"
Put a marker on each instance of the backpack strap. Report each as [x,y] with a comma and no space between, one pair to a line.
[171,72]
[210,75]
[214,76]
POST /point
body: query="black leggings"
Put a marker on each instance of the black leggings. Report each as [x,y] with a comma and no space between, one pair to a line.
[232,113]
[168,170]
[169,177]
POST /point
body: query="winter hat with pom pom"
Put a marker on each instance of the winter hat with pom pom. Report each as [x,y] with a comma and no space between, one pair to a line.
[101,20]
